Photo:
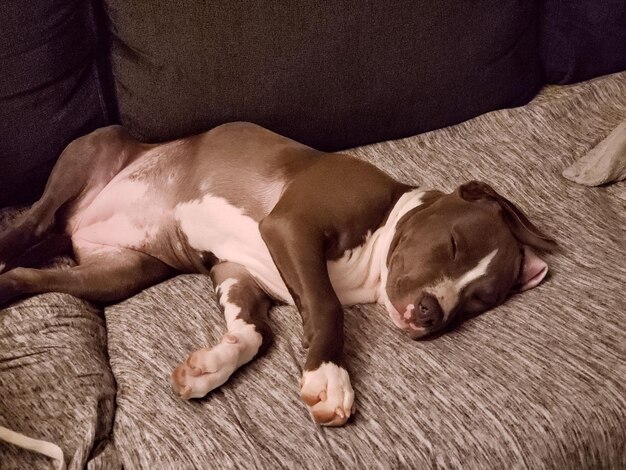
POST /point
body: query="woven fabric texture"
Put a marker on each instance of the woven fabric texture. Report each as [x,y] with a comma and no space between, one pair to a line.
[535,383]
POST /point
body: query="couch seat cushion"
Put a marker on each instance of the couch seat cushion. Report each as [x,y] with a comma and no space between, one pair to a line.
[535,383]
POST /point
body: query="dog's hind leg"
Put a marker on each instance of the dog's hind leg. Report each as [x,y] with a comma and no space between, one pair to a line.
[86,165]
[110,276]
[51,246]
[245,306]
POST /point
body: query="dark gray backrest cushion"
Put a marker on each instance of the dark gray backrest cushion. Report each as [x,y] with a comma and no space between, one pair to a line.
[331,74]
[49,89]
[582,39]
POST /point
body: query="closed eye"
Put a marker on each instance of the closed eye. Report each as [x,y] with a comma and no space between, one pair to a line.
[453,247]
[487,299]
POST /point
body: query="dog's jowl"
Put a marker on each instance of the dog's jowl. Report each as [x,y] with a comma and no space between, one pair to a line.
[270,220]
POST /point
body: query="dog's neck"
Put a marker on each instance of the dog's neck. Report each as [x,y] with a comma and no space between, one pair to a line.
[407,202]
[360,275]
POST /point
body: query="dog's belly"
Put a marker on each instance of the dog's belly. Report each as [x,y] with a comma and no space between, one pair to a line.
[141,209]
[123,215]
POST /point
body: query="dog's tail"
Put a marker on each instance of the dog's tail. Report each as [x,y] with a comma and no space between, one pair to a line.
[43,447]
[55,244]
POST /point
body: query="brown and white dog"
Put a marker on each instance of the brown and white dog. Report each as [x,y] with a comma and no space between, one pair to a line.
[270,220]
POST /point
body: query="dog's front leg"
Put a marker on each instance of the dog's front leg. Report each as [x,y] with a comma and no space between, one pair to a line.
[245,306]
[297,248]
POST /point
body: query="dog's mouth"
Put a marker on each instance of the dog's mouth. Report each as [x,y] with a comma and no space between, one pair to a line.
[406,322]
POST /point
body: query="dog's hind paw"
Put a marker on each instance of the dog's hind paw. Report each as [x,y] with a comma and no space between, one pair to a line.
[328,394]
[206,369]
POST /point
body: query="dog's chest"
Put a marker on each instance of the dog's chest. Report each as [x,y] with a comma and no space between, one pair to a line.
[213,224]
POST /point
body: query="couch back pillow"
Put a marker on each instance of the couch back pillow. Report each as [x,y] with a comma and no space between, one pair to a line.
[582,39]
[331,74]
[49,89]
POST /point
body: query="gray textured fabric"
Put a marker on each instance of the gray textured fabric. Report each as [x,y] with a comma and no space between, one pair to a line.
[55,381]
[536,383]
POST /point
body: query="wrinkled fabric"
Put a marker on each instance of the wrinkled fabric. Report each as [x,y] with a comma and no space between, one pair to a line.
[55,380]
[535,383]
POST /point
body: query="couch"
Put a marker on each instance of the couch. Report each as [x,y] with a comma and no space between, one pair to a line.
[434,93]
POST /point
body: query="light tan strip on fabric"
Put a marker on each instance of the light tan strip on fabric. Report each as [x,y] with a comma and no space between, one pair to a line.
[42,447]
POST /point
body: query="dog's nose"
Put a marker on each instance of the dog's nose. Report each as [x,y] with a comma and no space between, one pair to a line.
[428,312]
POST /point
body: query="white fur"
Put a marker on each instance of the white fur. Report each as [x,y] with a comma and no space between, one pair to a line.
[407,201]
[248,338]
[212,224]
[123,215]
[356,275]
[408,313]
[478,271]
[238,346]
[42,447]
[119,229]
[360,275]
[331,384]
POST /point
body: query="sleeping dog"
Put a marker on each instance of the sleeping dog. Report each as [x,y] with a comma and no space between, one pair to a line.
[270,220]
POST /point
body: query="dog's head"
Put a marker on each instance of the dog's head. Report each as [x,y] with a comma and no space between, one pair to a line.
[460,254]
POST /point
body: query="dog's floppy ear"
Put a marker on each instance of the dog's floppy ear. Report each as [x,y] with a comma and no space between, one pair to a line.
[522,228]
[533,271]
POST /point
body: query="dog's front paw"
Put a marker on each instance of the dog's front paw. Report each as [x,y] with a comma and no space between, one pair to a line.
[328,393]
[206,369]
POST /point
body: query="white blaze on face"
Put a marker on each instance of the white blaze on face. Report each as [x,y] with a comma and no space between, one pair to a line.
[447,291]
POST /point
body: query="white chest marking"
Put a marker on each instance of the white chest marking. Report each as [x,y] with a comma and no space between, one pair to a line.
[360,275]
[356,275]
[212,224]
